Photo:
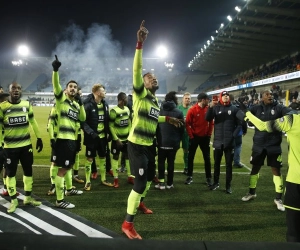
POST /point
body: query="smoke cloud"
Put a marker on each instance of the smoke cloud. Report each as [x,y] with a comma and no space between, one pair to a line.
[90,57]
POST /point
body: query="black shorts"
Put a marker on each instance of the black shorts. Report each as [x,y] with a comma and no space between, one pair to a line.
[292,195]
[100,148]
[115,150]
[65,153]
[273,160]
[24,155]
[53,155]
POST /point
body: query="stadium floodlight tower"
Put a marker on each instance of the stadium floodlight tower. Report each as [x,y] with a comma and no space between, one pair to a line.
[162,51]
[23,50]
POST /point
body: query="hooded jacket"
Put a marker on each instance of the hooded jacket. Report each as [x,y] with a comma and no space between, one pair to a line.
[262,139]
[168,135]
[91,123]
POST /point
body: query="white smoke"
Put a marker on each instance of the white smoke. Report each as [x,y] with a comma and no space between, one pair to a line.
[90,56]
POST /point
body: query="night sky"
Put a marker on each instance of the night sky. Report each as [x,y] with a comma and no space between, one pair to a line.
[182,26]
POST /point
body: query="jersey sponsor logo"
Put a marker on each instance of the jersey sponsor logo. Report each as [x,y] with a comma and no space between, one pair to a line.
[124,122]
[100,118]
[17,120]
[154,112]
[73,114]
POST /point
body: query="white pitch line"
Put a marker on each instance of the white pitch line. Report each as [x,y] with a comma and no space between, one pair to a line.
[34,220]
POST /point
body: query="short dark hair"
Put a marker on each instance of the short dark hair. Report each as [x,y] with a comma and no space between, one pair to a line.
[171,96]
[71,81]
[121,96]
[202,96]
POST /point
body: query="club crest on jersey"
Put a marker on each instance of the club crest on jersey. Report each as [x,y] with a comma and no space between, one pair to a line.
[154,112]
[24,109]
[73,114]
[281,119]
[272,112]
[141,171]
[229,112]
[8,161]
[17,120]
[67,162]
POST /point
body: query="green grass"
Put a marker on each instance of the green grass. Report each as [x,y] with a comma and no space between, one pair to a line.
[187,212]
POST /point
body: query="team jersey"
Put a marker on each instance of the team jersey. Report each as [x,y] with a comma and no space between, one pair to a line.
[52,123]
[69,113]
[289,123]
[184,111]
[119,123]
[100,128]
[15,119]
[145,108]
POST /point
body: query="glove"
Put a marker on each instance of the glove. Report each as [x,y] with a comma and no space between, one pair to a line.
[52,142]
[242,106]
[39,145]
[77,98]
[94,135]
[56,64]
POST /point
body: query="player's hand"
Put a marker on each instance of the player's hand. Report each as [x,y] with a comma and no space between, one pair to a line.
[56,64]
[142,33]
[174,121]
[78,99]
[242,106]
[39,145]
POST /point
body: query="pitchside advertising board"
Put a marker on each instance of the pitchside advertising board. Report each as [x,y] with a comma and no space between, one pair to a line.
[272,80]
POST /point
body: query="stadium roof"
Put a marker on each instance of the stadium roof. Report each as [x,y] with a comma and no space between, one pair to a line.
[263,31]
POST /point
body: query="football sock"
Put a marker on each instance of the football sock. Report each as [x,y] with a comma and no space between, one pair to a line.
[88,170]
[146,189]
[53,173]
[114,166]
[128,168]
[278,181]
[133,202]
[76,164]
[102,169]
[68,179]
[59,187]
[27,180]
[253,180]
[11,185]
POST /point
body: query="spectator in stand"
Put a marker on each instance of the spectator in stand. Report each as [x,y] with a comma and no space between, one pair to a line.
[267,145]
[295,104]
[199,131]
[168,139]
[226,118]
[184,107]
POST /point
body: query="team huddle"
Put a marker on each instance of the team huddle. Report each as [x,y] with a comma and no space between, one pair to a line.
[138,131]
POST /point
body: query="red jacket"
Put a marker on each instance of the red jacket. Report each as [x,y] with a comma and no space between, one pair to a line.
[195,122]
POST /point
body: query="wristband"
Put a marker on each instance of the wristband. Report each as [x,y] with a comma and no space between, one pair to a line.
[167,118]
[139,45]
